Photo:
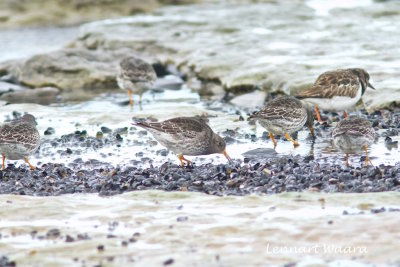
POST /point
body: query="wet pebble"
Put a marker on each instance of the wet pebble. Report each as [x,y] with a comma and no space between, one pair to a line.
[168,262]
[4,261]
[53,233]
[105,130]
[49,131]
[182,218]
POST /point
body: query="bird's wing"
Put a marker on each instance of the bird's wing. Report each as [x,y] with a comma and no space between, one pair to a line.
[14,134]
[278,112]
[137,71]
[182,126]
[334,83]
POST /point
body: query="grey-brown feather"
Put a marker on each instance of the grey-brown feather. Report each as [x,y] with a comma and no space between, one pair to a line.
[137,70]
[282,115]
[342,82]
[19,138]
[136,75]
[352,133]
[184,135]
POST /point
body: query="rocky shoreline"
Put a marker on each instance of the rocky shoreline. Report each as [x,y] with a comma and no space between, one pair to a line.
[262,171]
[20,13]
[210,55]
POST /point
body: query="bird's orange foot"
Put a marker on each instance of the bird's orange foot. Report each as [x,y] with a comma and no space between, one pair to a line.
[30,165]
[271,136]
[182,158]
[367,160]
[295,143]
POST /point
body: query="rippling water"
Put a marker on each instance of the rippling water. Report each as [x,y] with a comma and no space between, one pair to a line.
[191,227]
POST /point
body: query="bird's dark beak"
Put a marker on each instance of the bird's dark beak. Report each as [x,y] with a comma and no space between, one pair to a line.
[227,156]
[370,86]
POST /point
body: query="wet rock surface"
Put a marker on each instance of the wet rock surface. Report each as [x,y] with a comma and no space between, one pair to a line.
[45,12]
[70,69]
[177,36]
[43,96]
[289,61]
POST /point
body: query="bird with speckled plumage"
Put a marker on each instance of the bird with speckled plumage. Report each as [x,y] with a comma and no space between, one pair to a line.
[19,139]
[284,116]
[135,76]
[337,90]
[352,135]
[186,136]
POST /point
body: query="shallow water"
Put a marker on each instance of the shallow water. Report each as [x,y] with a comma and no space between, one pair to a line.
[106,110]
[191,227]
[26,42]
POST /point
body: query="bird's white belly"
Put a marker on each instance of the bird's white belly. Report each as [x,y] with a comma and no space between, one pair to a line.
[136,88]
[13,151]
[336,103]
[351,144]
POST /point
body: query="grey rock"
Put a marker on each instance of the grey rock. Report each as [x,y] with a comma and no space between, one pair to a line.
[169,82]
[48,12]
[70,70]
[250,100]
[43,96]
[260,153]
[239,50]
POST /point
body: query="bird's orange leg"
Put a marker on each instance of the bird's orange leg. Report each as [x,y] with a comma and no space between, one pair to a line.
[4,160]
[318,115]
[366,156]
[344,114]
[295,143]
[273,139]
[181,159]
[130,98]
[347,159]
[30,165]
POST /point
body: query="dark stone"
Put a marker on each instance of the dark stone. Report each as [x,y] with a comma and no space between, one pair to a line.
[105,130]
[69,238]
[49,131]
[53,233]
[168,262]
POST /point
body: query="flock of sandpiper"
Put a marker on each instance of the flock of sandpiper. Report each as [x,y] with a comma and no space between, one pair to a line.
[336,90]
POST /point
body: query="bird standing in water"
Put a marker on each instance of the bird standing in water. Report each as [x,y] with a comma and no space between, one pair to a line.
[352,135]
[136,76]
[284,116]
